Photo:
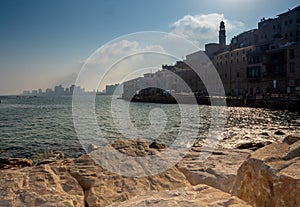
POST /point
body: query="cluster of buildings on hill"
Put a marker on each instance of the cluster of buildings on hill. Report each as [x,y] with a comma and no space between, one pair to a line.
[261,61]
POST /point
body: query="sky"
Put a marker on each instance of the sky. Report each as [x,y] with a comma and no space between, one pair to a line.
[45,43]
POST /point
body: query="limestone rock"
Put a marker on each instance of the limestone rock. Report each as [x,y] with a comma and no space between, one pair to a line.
[92,147]
[103,187]
[6,163]
[253,146]
[82,182]
[218,171]
[200,195]
[291,139]
[278,132]
[270,177]
[39,186]
[48,157]
[157,145]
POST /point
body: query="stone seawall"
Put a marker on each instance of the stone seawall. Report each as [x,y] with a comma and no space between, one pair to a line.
[267,177]
[276,104]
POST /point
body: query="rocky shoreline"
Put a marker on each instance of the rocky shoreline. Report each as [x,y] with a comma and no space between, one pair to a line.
[267,175]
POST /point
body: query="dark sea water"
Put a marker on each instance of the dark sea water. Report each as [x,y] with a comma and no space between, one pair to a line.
[33,125]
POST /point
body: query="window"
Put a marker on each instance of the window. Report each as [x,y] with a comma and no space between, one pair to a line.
[237,60]
[237,74]
[253,72]
[292,54]
[285,35]
[230,61]
[292,67]
[225,75]
[291,34]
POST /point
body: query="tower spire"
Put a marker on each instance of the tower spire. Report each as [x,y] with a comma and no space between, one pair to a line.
[222,34]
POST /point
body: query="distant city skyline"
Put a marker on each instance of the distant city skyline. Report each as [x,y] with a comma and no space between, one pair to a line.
[116,89]
[45,43]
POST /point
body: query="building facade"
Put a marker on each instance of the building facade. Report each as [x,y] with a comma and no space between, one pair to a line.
[264,60]
[258,62]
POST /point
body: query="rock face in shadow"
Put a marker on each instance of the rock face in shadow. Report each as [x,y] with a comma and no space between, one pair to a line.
[271,176]
[200,195]
[218,170]
[7,163]
[253,145]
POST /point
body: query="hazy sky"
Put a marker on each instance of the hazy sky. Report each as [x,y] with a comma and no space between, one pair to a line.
[44,43]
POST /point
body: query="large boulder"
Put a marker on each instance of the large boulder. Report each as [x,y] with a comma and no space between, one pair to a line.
[218,170]
[39,186]
[200,195]
[270,177]
[102,187]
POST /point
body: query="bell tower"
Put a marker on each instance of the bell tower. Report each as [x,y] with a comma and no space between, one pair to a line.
[222,35]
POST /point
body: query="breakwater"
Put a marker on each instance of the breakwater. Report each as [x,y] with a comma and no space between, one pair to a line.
[271,103]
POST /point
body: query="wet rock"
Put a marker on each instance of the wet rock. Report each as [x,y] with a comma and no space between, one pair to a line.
[157,145]
[291,139]
[218,170]
[200,195]
[92,147]
[264,134]
[48,157]
[253,146]
[270,177]
[7,163]
[278,132]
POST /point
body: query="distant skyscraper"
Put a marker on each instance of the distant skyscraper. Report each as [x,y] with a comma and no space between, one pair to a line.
[26,93]
[222,35]
[49,91]
[113,89]
[59,90]
[72,89]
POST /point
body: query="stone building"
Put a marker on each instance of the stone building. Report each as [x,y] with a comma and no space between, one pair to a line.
[274,66]
[257,62]
[264,60]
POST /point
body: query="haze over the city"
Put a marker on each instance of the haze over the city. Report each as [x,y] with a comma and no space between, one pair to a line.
[44,43]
